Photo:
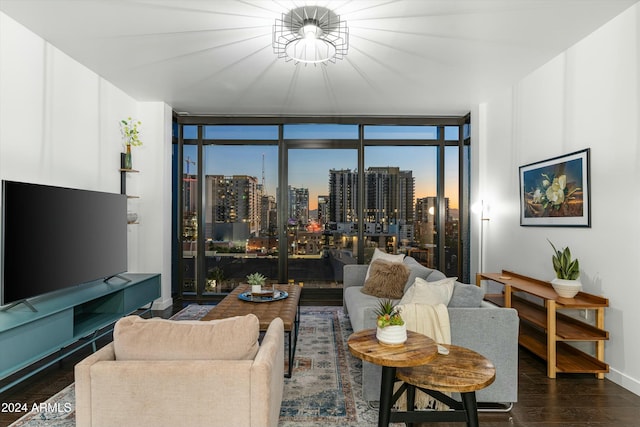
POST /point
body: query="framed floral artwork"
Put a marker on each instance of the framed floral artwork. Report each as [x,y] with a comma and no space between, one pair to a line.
[555,192]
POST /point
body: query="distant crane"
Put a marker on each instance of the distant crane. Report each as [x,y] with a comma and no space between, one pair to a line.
[264,189]
[188,161]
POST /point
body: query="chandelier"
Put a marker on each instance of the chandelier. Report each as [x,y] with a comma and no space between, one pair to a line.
[311,35]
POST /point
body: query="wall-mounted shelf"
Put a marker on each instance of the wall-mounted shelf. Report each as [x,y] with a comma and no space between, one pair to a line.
[123,182]
[123,177]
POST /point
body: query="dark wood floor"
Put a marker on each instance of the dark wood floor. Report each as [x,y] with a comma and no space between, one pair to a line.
[567,401]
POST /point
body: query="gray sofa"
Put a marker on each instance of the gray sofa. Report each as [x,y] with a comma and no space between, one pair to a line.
[476,324]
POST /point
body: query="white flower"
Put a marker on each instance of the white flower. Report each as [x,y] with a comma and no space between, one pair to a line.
[562,181]
[555,193]
[537,196]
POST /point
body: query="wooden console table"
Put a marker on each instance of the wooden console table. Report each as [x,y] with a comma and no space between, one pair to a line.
[544,331]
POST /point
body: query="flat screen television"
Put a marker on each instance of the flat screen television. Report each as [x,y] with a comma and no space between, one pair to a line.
[54,238]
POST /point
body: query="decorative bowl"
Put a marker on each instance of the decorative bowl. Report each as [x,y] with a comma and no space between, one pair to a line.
[132,217]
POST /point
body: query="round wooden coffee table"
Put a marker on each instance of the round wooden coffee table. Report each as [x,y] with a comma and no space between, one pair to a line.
[417,350]
[462,370]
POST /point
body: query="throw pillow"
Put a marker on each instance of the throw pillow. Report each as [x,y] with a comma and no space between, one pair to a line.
[233,338]
[418,270]
[423,292]
[386,279]
[378,254]
[465,295]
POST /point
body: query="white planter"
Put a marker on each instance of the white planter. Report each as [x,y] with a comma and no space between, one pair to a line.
[566,288]
[256,289]
[392,335]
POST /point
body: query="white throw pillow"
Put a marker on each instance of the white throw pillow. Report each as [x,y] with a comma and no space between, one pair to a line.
[423,292]
[378,254]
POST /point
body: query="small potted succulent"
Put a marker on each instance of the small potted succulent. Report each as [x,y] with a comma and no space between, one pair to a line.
[256,281]
[566,283]
[391,329]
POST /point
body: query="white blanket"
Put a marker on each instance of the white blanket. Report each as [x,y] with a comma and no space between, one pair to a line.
[429,320]
[432,321]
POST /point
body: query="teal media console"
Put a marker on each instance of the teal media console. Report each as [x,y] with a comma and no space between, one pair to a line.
[62,318]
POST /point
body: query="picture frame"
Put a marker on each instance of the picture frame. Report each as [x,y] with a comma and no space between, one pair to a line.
[556,192]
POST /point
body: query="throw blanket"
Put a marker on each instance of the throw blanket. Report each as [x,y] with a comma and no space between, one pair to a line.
[432,321]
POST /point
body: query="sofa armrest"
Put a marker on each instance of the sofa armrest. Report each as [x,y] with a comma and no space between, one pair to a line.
[267,377]
[82,374]
[492,332]
[354,274]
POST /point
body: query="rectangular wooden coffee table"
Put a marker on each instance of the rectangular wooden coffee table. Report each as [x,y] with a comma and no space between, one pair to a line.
[287,309]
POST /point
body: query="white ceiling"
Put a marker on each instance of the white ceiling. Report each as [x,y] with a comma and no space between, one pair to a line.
[406,57]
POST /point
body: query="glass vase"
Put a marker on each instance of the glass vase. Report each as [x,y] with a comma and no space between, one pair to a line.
[127,158]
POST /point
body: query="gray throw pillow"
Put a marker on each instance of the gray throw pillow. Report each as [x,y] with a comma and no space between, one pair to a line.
[418,270]
[466,295]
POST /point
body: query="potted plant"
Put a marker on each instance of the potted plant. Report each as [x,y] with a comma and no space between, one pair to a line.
[391,329]
[256,281]
[130,137]
[566,283]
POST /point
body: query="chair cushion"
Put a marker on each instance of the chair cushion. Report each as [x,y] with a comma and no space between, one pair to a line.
[234,338]
[423,292]
[386,279]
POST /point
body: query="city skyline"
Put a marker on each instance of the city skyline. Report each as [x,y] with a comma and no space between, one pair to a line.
[309,168]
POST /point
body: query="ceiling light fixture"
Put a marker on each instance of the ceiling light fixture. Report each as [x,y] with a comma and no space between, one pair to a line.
[311,35]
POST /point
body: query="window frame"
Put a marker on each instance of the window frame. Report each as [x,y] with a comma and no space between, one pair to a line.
[464,153]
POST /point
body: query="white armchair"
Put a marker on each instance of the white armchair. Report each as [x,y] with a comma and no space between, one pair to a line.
[170,373]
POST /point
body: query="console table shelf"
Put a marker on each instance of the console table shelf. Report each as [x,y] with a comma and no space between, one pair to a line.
[544,331]
[84,312]
[569,360]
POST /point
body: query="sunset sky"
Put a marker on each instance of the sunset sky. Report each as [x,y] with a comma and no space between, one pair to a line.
[309,168]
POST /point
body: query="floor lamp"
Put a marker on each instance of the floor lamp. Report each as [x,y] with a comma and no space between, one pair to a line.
[483,218]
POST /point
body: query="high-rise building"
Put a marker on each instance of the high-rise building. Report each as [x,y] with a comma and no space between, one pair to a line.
[388,203]
[189,207]
[190,194]
[268,216]
[425,221]
[323,210]
[232,200]
[343,186]
[298,206]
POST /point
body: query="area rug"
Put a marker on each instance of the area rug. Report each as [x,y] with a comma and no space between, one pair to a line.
[325,389]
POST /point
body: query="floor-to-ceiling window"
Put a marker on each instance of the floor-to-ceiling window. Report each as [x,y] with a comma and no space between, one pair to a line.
[321,201]
[295,200]
[240,234]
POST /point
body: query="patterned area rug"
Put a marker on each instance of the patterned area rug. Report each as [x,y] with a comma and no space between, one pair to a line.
[325,389]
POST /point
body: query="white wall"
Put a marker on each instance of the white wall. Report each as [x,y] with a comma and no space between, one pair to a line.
[588,97]
[59,125]
[151,251]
